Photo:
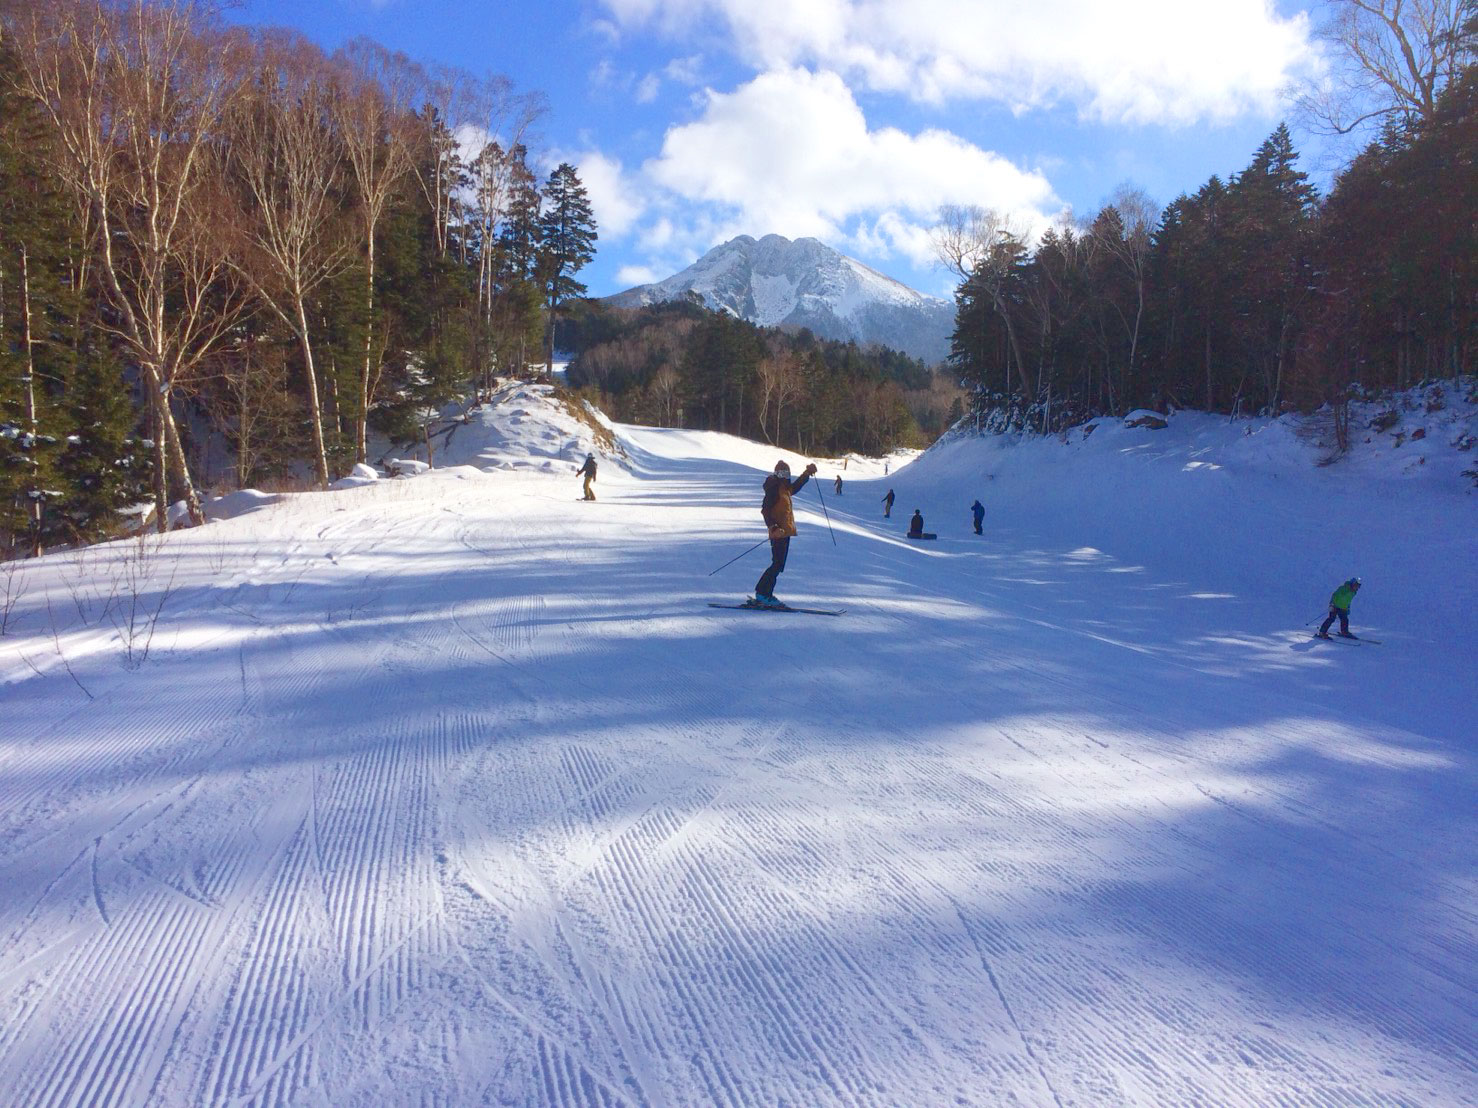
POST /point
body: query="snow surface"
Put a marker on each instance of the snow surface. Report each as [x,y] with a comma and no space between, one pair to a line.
[452,789]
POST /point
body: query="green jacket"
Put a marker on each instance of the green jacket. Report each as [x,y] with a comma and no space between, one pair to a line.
[1342,597]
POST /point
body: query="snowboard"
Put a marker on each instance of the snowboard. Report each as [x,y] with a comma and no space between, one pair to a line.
[752,607]
[925,535]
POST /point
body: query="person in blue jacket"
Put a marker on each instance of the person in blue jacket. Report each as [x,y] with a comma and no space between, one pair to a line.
[978,511]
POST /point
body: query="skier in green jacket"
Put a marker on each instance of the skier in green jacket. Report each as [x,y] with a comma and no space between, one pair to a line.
[1339,608]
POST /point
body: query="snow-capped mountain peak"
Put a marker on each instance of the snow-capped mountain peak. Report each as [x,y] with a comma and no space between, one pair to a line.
[780,282]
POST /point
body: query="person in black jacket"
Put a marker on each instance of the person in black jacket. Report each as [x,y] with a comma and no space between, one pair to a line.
[916,527]
[978,511]
[588,472]
[779,517]
[888,505]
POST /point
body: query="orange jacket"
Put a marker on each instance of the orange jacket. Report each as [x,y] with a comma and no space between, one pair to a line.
[777,510]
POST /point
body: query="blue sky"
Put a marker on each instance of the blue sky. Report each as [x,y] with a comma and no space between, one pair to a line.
[854,120]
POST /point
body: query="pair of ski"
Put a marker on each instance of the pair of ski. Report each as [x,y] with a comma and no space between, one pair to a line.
[1352,639]
[751,606]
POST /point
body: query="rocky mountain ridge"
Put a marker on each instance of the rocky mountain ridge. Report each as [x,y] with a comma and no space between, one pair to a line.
[779,282]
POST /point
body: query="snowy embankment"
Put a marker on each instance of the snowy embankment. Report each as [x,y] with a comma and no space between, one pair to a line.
[451,789]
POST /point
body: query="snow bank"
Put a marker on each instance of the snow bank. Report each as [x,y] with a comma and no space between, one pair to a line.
[1242,506]
[238,503]
[360,475]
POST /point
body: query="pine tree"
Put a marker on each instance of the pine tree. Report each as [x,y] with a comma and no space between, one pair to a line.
[567,235]
[1271,210]
[65,418]
[519,235]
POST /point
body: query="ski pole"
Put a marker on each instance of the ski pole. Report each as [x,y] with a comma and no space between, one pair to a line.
[826,514]
[736,557]
[1321,615]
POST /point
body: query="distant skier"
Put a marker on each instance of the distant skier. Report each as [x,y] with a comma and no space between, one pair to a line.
[588,471]
[888,505]
[839,484]
[978,511]
[1339,608]
[780,521]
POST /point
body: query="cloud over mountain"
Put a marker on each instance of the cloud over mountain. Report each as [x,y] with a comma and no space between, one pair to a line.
[1138,61]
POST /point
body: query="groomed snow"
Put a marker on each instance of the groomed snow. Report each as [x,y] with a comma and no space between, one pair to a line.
[451,789]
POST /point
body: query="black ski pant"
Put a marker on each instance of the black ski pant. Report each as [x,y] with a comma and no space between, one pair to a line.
[1344,621]
[978,531]
[779,548]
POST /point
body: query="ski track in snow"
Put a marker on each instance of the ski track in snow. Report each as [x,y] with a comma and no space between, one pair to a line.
[453,791]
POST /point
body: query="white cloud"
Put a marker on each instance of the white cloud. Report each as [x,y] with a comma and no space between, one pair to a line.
[647,88]
[631,275]
[791,153]
[684,71]
[1142,61]
[615,199]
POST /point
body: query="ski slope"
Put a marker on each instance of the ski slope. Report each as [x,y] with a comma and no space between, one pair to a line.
[452,790]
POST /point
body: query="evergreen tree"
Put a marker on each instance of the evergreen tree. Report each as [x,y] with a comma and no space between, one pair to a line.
[518,302]
[66,462]
[1271,208]
[567,235]
[520,233]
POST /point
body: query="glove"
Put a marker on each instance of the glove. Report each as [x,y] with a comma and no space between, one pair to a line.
[776,531]
[811,469]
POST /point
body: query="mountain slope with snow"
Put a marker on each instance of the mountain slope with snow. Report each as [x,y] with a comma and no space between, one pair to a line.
[776,282]
[452,789]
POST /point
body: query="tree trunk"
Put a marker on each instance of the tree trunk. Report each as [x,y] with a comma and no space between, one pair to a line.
[314,412]
[243,438]
[31,423]
[180,470]
[361,418]
[1210,393]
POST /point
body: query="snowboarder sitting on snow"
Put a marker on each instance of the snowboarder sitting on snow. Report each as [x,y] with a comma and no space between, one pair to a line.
[978,511]
[888,505]
[780,520]
[588,471]
[1339,608]
[916,527]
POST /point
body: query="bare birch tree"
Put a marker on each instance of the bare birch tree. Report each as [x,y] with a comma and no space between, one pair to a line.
[1390,60]
[982,246]
[372,113]
[287,156]
[449,97]
[1138,217]
[778,377]
[136,93]
[666,386]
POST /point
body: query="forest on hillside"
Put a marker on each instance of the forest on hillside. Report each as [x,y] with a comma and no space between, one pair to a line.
[681,364]
[226,257]
[1251,294]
